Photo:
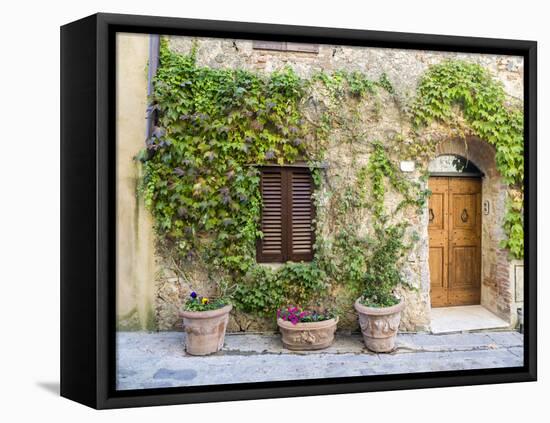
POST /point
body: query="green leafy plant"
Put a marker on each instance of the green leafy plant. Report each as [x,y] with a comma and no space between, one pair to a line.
[198,303]
[486,113]
[513,224]
[263,290]
[383,272]
[383,260]
[385,83]
[199,179]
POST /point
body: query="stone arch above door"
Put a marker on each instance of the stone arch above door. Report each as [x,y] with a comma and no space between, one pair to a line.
[496,284]
[481,153]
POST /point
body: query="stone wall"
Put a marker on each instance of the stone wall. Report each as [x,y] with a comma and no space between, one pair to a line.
[404,69]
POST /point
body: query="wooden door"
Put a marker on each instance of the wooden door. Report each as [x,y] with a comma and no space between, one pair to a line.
[455,241]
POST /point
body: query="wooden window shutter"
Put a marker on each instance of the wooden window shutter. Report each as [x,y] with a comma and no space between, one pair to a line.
[271,246]
[287,215]
[301,215]
[285,46]
[302,47]
[268,45]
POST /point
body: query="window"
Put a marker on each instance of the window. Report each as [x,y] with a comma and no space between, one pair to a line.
[453,165]
[285,46]
[287,215]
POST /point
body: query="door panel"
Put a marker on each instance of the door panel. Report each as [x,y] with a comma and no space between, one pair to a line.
[436,216]
[438,236]
[437,276]
[455,241]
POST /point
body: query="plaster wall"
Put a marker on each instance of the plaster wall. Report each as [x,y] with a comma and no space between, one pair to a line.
[135,243]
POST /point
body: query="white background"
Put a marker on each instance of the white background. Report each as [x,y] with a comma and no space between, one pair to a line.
[29,212]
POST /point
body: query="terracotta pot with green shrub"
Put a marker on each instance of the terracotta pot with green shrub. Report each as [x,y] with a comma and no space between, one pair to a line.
[205,321]
[379,308]
[305,329]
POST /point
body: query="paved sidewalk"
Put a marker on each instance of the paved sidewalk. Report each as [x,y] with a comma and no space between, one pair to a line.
[158,360]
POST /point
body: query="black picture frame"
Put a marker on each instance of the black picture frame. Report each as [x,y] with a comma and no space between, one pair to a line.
[88,210]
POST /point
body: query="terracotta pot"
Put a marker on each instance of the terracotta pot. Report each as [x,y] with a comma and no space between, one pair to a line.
[379,325]
[307,336]
[205,330]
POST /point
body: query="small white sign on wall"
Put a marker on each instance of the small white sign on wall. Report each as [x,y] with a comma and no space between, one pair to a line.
[406,166]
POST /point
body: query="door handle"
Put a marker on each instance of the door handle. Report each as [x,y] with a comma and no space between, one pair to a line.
[464,216]
[432,216]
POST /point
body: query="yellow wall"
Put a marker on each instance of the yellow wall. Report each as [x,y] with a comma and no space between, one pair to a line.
[135,261]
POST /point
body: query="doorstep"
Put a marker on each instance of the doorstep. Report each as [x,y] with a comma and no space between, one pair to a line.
[464,319]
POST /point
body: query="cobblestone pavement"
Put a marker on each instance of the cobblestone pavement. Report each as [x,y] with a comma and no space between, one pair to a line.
[158,360]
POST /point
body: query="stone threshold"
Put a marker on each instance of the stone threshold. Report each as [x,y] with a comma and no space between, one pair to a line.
[465,319]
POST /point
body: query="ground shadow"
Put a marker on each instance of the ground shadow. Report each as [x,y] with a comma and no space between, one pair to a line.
[51,387]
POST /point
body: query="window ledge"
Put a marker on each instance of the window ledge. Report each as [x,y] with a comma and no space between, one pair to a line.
[321,165]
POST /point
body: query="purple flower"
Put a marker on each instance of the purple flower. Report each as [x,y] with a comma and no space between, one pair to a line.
[193,295]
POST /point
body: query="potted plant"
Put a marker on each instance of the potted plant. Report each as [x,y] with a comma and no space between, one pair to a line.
[379,308]
[205,321]
[306,329]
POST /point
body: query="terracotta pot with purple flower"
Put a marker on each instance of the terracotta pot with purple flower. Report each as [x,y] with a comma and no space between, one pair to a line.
[205,321]
[305,329]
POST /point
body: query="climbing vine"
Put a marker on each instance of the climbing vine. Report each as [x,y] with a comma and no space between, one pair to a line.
[485,113]
[379,168]
[383,263]
[215,126]
[371,264]
[201,179]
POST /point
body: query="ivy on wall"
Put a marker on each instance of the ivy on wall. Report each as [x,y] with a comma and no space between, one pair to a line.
[485,114]
[200,176]
[215,126]
[370,263]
